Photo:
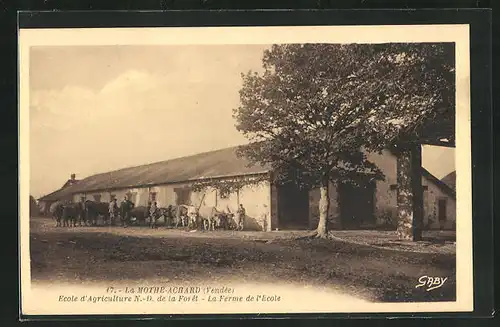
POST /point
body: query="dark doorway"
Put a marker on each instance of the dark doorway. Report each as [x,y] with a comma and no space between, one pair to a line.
[132,197]
[442,209]
[183,196]
[357,205]
[293,207]
[152,197]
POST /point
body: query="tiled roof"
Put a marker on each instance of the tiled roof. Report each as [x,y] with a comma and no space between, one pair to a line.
[71,182]
[218,163]
[450,179]
[445,188]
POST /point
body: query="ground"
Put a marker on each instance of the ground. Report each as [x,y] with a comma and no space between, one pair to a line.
[368,265]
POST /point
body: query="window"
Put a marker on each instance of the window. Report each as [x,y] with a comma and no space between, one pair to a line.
[183,196]
[442,209]
[97,197]
[152,196]
[131,196]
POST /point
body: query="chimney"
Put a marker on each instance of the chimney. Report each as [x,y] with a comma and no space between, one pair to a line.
[73,176]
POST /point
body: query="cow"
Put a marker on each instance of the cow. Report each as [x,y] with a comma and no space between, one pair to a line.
[159,213]
[140,213]
[212,218]
[181,215]
[71,213]
[224,220]
[83,213]
[56,209]
[125,208]
[95,209]
[170,215]
[193,217]
[231,222]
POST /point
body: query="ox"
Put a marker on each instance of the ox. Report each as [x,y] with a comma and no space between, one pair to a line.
[193,216]
[181,215]
[231,221]
[56,209]
[170,215]
[225,220]
[212,218]
[125,209]
[159,213]
[71,213]
[94,210]
[139,214]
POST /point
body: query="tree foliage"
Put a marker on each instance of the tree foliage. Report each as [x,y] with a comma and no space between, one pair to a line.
[316,106]
[228,186]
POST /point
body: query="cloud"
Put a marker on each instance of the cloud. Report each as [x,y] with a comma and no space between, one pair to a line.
[131,79]
[135,118]
[74,106]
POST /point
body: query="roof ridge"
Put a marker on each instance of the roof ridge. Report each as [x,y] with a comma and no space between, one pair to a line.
[217,162]
[439,183]
[164,161]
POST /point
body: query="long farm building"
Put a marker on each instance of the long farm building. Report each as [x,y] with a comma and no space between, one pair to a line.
[268,207]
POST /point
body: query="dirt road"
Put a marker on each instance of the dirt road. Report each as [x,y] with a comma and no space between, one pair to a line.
[86,255]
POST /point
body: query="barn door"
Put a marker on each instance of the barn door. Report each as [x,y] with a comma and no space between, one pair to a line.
[132,197]
[442,209]
[293,207]
[357,205]
[183,196]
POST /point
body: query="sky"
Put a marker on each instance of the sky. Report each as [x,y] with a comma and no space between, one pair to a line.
[100,108]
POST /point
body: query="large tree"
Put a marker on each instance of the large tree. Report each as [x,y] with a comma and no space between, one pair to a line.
[316,106]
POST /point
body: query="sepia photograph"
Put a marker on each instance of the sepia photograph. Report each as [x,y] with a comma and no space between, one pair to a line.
[245,170]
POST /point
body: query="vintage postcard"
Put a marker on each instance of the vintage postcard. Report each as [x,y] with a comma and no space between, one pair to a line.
[245,170]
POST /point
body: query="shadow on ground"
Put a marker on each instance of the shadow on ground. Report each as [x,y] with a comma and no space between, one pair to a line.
[372,273]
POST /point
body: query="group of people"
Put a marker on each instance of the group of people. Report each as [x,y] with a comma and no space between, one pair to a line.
[123,212]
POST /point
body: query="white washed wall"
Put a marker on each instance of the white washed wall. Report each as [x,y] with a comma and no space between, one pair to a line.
[256,201]
[431,200]
[386,198]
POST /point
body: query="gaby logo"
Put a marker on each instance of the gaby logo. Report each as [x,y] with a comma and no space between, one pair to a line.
[431,282]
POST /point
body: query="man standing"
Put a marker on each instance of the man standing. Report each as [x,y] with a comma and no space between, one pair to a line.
[113,210]
[125,208]
[152,210]
[83,211]
[152,214]
[241,217]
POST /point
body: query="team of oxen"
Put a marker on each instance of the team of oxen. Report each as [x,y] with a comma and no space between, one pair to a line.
[89,213]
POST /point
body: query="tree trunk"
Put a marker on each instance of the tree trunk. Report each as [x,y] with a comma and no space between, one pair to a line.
[418,193]
[410,193]
[324,206]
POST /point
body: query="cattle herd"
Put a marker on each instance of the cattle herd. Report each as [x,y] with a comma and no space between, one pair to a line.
[91,213]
